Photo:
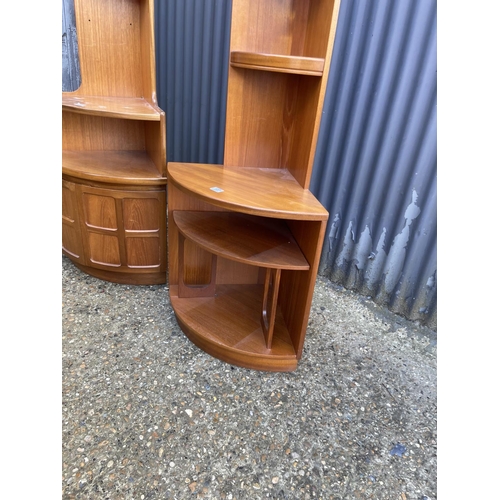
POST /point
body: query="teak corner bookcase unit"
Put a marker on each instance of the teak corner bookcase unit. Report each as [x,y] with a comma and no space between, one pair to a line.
[245,237]
[114,148]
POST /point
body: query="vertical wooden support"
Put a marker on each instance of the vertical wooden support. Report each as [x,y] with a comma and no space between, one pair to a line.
[189,291]
[270,303]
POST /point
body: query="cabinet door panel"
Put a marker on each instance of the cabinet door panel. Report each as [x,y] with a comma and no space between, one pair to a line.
[141,214]
[104,249]
[71,236]
[143,252]
[100,211]
[125,230]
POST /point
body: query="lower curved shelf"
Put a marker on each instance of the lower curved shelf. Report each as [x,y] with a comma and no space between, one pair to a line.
[227,326]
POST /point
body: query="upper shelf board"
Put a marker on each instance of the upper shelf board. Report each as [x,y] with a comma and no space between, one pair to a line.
[267,192]
[131,108]
[279,63]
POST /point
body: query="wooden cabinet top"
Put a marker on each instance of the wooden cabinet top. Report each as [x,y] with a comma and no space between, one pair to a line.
[269,192]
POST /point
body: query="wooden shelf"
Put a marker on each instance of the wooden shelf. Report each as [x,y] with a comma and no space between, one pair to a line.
[129,108]
[312,66]
[243,238]
[267,192]
[124,167]
[228,327]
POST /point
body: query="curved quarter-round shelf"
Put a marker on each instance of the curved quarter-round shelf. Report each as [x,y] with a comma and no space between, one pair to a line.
[257,241]
[124,167]
[312,66]
[267,192]
[227,326]
[130,108]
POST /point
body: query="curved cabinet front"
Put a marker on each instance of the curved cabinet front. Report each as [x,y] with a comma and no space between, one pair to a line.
[117,234]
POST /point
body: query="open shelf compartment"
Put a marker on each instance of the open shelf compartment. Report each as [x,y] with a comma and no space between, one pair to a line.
[247,239]
[228,326]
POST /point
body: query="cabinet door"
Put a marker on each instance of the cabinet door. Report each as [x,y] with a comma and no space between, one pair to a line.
[71,235]
[124,230]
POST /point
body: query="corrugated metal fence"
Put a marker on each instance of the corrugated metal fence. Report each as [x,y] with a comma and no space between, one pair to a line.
[376,160]
[375,166]
[192,54]
[71,78]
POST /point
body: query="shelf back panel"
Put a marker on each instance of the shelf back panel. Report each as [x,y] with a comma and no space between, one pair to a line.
[255,132]
[282,27]
[271,121]
[116,46]
[320,27]
[96,133]
[272,27]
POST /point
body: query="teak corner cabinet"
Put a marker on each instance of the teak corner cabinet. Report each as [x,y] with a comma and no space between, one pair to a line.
[114,149]
[245,237]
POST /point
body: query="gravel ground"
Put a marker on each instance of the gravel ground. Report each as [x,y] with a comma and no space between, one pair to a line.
[148,415]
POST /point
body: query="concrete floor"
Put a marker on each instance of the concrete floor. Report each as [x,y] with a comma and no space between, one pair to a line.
[148,415]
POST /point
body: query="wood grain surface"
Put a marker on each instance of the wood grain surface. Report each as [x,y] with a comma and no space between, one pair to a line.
[259,191]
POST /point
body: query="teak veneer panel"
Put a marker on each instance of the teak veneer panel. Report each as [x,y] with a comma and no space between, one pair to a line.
[258,191]
[269,27]
[297,289]
[244,238]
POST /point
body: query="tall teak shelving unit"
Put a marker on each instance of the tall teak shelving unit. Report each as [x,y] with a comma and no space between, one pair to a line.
[245,237]
[114,147]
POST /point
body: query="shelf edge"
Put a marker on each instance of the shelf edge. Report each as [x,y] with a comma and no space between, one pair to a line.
[108,179]
[210,196]
[311,66]
[110,107]
[238,221]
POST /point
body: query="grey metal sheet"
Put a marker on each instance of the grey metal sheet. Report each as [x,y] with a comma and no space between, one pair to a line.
[376,161]
[71,77]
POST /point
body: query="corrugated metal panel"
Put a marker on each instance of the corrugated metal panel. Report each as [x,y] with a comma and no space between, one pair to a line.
[71,77]
[376,160]
[375,167]
[192,50]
